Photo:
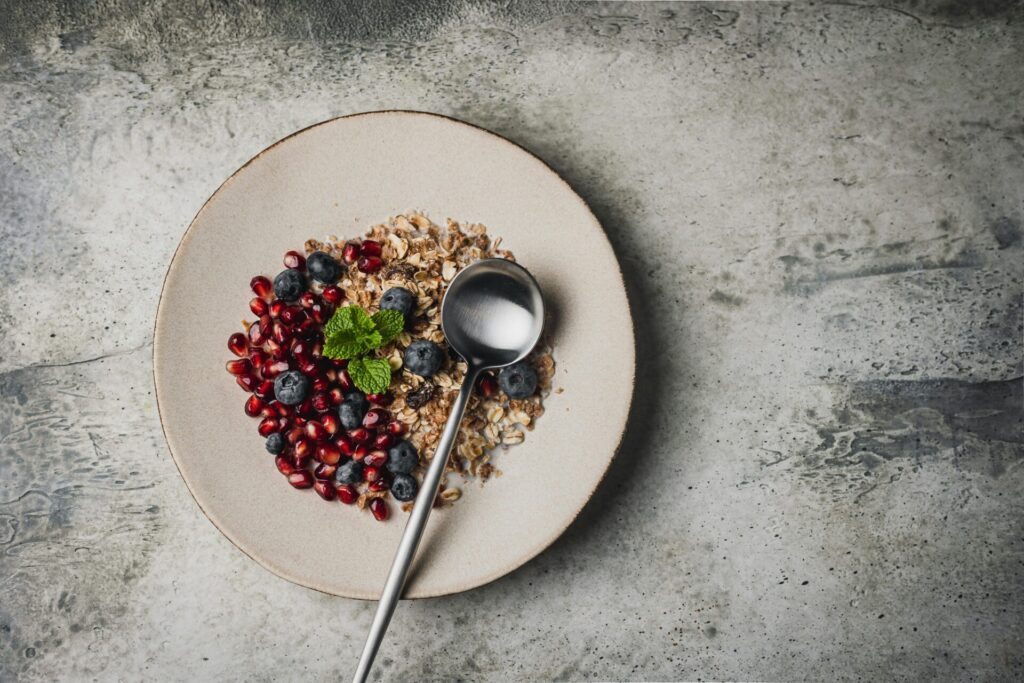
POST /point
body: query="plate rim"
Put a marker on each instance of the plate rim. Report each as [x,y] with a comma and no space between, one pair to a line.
[544,543]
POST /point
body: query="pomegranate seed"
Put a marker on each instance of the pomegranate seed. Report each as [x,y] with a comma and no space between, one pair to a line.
[328,453]
[344,381]
[379,509]
[277,351]
[325,489]
[282,333]
[318,348]
[258,358]
[265,390]
[320,313]
[345,445]
[384,441]
[371,473]
[331,423]
[339,362]
[374,417]
[346,494]
[294,434]
[370,248]
[273,368]
[301,479]
[303,448]
[277,308]
[360,451]
[315,431]
[302,347]
[237,344]
[320,384]
[324,471]
[370,264]
[360,435]
[307,299]
[350,252]
[333,295]
[380,399]
[487,386]
[242,366]
[321,402]
[258,306]
[307,329]
[293,316]
[267,411]
[381,484]
[254,406]
[375,459]
[294,260]
[268,426]
[284,464]
[257,335]
[283,410]
[247,382]
[284,423]
[306,409]
[310,368]
[396,428]
[261,286]
[337,396]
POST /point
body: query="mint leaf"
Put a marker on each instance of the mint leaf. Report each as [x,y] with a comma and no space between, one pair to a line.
[370,375]
[351,319]
[389,323]
[342,345]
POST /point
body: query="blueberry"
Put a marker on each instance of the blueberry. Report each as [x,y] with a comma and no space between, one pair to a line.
[402,458]
[350,472]
[323,267]
[351,414]
[289,285]
[275,443]
[291,388]
[404,487]
[398,299]
[359,399]
[423,357]
[518,381]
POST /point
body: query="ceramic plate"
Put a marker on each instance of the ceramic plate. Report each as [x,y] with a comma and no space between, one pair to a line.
[338,178]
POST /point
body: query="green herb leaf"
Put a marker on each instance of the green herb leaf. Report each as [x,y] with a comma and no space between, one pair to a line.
[341,345]
[351,319]
[389,323]
[370,375]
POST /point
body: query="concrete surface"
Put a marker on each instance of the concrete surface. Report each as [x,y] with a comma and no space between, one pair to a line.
[818,209]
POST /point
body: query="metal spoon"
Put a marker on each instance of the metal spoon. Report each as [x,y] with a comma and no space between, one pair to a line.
[491,315]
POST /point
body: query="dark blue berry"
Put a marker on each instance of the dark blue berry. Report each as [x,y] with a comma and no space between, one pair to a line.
[404,487]
[350,472]
[398,299]
[275,443]
[289,285]
[423,357]
[359,399]
[351,414]
[402,458]
[518,381]
[323,267]
[291,388]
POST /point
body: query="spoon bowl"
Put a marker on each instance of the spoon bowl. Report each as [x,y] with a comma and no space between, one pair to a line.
[492,314]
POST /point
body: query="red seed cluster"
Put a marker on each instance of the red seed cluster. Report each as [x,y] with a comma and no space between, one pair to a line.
[289,336]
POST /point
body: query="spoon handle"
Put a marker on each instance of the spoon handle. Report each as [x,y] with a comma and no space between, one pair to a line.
[413,531]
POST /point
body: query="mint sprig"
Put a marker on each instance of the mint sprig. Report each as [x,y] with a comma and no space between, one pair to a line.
[351,333]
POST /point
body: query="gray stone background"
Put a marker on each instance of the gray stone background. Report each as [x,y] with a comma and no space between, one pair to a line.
[818,211]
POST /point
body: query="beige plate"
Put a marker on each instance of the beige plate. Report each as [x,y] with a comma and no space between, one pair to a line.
[337,178]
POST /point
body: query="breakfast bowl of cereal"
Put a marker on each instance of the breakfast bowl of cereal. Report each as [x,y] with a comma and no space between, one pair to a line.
[303,376]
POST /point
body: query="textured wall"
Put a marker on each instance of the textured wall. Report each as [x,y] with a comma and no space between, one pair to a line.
[818,209]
